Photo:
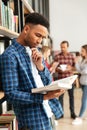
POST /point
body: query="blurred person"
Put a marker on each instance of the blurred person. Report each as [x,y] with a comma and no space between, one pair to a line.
[81,67]
[67,59]
[46,52]
[22,68]
[78,56]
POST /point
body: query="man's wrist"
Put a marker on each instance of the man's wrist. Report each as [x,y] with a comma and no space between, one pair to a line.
[45,97]
[40,67]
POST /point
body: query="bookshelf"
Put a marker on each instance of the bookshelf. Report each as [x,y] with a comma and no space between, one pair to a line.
[6,32]
[19,6]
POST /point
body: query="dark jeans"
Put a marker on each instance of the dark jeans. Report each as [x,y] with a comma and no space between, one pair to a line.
[71,99]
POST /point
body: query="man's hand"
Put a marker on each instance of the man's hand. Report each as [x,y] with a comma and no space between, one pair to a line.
[37,58]
[69,68]
[53,94]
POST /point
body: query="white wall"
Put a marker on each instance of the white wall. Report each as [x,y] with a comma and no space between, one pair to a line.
[68,21]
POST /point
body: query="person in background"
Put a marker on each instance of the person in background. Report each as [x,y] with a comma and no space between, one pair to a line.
[66,59]
[78,56]
[46,52]
[81,67]
[22,69]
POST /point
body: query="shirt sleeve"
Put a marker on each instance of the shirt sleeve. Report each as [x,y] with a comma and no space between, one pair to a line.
[81,70]
[45,75]
[11,85]
[84,70]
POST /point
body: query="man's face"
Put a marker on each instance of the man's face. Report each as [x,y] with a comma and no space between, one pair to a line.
[34,35]
[64,47]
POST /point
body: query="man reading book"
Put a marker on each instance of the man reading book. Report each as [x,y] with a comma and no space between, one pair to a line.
[23,68]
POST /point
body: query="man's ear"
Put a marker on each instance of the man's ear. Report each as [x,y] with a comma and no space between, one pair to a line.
[26,28]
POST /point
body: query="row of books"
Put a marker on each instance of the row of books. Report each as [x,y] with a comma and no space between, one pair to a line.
[7,17]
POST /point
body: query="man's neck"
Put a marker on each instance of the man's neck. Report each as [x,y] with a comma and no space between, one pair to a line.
[65,53]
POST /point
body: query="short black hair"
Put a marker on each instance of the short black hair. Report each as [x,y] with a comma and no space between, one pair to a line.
[36,18]
[63,42]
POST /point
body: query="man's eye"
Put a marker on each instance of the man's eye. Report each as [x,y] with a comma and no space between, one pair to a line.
[38,35]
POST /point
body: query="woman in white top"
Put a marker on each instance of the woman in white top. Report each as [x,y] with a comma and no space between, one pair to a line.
[81,67]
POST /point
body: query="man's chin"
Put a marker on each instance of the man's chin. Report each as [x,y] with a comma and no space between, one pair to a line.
[33,47]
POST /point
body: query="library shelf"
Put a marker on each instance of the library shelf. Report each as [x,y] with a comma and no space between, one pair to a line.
[6,32]
[25,2]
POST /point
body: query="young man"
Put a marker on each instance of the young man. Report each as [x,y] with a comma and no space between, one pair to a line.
[22,68]
[66,58]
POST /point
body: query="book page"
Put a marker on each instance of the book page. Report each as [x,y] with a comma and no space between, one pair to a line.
[65,83]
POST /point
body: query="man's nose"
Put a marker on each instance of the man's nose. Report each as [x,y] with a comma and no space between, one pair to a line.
[39,40]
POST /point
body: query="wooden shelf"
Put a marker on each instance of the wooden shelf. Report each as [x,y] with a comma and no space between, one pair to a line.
[8,33]
[27,6]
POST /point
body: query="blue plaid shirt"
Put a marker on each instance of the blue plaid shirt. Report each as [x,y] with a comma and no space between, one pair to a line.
[17,82]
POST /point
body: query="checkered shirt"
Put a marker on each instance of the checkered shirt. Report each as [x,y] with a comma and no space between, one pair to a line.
[65,59]
[17,81]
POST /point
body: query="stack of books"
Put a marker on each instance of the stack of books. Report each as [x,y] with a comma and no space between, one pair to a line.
[5,126]
[8,122]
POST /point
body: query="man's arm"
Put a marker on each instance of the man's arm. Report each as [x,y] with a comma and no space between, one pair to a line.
[53,94]
[42,69]
[11,83]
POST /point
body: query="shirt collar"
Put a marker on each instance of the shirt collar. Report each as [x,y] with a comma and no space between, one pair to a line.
[18,46]
[28,50]
[61,53]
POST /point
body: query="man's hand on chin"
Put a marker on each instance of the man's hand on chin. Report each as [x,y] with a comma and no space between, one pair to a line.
[37,59]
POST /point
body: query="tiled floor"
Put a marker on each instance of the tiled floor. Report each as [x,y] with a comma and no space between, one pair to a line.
[66,122]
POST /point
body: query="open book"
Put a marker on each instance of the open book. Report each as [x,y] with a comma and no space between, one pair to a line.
[65,83]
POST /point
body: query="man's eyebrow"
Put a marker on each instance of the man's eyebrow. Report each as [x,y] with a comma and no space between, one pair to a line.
[44,37]
[41,35]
